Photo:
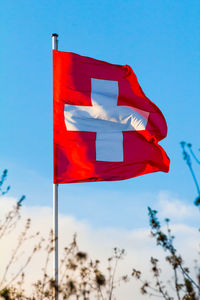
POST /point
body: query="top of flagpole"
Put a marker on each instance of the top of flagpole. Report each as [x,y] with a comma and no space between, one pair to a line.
[54,41]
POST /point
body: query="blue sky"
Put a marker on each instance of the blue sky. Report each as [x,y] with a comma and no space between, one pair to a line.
[159,39]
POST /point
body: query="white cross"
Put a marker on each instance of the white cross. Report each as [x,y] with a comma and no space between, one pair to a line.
[106,118]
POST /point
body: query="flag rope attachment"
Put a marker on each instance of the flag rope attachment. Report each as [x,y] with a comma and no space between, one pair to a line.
[55,208]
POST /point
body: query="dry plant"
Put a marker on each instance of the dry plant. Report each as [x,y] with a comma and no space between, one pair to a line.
[189,157]
[81,278]
[185,287]
[8,224]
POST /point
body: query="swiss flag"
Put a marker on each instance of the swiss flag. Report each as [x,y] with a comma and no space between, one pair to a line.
[105,128]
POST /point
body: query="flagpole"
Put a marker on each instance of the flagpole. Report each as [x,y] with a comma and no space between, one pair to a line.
[55,204]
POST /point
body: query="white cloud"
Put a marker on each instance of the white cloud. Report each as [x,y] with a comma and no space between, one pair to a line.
[172,207]
[138,244]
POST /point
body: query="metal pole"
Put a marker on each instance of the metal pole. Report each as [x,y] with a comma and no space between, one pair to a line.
[55,237]
[55,205]
[54,41]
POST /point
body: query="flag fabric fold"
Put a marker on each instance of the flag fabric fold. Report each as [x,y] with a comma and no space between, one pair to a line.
[104,127]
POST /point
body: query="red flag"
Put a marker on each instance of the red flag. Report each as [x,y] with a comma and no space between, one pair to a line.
[105,128]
